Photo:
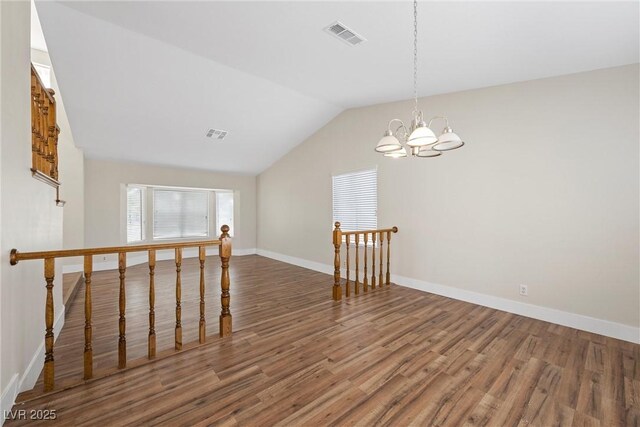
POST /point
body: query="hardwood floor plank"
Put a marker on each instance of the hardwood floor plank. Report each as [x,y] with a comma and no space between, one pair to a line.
[396,356]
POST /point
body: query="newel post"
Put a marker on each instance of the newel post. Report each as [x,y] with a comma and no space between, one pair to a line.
[225,254]
[337,242]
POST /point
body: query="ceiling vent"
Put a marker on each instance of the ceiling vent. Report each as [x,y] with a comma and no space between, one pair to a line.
[347,35]
[216,133]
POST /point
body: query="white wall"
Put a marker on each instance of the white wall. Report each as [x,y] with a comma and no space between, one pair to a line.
[29,218]
[70,168]
[103,202]
[545,193]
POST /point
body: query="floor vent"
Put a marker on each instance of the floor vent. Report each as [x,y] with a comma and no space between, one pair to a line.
[344,33]
[216,133]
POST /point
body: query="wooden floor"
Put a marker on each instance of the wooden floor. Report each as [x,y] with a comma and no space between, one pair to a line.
[395,356]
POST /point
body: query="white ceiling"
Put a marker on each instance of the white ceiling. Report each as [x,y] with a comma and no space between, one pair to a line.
[37,37]
[144,81]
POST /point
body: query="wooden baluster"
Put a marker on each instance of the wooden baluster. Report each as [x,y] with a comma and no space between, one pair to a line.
[36,133]
[47,154]
[347,287]
[52,136]
[225,297]
[34,123]
[151,351]
[44,125]
[394,230]
[43,128]
[373,260]
[88,331]
[38,128]
[357,285]
[178,297]
[380,274]
[202,330]
[365,283]
[337,241]
[55,154]
[388,257]
[49,273]
[122,323]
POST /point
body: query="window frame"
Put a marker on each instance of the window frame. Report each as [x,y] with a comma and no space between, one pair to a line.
[148,216]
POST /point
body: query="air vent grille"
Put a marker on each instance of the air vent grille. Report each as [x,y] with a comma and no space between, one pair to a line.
[216,133]
[345,33]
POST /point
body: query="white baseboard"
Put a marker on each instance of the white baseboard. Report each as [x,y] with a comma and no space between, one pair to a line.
[243,252]
[31,373]
[34,368]
[559,317]
[311,265]
[141,258]
[9,396]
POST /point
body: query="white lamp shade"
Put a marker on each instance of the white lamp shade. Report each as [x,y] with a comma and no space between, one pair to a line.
[428,152]
[388,143]
[402,152]
[421,136]
[448,141]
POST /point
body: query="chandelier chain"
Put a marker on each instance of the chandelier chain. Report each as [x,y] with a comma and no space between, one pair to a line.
[415,56]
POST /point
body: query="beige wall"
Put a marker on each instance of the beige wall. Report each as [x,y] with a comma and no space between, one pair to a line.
[29,218]
[70,168]
[545,193]
[103,204]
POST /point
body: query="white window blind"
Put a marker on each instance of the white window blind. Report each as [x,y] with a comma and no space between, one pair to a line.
[135,229]
[224,208]
[355,200]
[180,213]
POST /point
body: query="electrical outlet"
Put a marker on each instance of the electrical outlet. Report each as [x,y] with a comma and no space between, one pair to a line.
[104,258]
[524,291]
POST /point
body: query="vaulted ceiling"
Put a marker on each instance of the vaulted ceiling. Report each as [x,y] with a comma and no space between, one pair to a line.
[144,81]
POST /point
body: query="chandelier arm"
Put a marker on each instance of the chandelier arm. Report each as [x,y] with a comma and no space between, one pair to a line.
[402,126]
[446,120]
[395,120]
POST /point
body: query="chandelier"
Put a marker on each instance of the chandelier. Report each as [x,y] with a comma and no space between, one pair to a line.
[419,139]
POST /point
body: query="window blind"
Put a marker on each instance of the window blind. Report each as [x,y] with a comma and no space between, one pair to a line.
[355,200]
[180,213]
[134,215]
[224,208]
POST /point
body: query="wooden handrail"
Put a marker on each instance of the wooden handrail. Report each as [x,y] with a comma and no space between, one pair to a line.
[361,232]
[381,278]
[49,257]
[65,253]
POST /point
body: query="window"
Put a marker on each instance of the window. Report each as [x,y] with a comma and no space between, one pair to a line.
[224,210]
[355,200]
[180,213]
[135,229]
[160,213]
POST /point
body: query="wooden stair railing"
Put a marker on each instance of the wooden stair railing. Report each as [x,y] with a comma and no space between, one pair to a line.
[44,132]
[49,257]
[379,235]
